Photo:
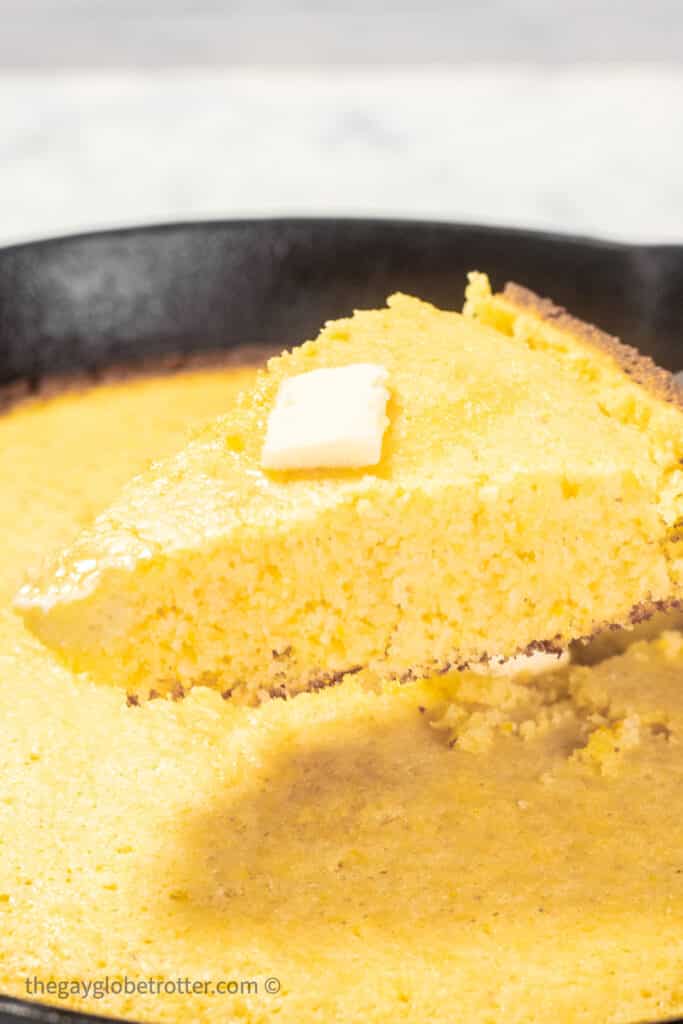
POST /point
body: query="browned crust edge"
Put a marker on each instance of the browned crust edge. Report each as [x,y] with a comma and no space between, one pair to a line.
[557,645]
[23,391]
[326,680]
[640,368]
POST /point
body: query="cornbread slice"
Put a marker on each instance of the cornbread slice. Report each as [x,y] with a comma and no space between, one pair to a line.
[528,493]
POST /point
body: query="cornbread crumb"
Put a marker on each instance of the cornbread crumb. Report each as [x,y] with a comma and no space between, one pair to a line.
[608,744]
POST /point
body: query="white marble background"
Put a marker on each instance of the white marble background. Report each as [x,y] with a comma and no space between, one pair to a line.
[543,113]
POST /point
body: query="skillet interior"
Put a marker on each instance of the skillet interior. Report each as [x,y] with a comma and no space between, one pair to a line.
[81,305]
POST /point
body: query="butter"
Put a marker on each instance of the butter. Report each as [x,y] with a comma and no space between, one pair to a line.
[328,418]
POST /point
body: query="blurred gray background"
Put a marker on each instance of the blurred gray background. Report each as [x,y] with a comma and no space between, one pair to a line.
[162,33]
[563,114]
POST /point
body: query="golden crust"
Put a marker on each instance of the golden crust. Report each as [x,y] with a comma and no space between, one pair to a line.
[638,367]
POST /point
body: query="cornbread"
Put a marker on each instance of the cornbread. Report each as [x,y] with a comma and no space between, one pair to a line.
[528,493]
[458,849]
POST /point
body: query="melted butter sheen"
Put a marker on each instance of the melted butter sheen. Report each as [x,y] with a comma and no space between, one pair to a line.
[465,848]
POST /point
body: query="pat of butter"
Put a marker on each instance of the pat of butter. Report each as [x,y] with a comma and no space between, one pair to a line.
[328,418]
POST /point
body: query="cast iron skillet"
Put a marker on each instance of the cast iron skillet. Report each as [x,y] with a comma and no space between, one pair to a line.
[83,304]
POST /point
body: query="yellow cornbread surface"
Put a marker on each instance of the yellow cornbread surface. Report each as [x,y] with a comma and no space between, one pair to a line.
[527,492]
[434,852]
[45,504]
